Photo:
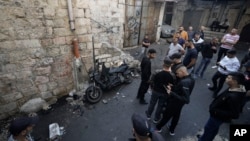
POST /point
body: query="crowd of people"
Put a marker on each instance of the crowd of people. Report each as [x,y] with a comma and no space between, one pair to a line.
[172,86]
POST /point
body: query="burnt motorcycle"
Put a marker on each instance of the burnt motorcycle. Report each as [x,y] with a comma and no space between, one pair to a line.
[105,79]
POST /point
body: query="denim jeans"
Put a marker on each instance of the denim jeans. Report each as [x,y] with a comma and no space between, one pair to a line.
[161,99]
[211,129]
[203,66]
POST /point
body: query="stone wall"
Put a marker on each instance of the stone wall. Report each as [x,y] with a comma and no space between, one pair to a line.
[36,46]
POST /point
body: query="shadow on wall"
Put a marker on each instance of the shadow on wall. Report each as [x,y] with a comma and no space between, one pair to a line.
[244,35]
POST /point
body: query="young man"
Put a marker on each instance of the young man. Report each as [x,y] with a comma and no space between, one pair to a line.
[191,56]
[198,42]
[178,96]
[183,33]
[141,130]
[207,54]
[190,32]
[145,75]
[160,79]
[228,64]
[226,106]
[215,25]
[175,48]
[227,43]
[20,128]
[177,62]
[145,45]
[181,41]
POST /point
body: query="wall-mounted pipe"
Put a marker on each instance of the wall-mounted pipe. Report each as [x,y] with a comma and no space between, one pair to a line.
[71,19]
[76,48]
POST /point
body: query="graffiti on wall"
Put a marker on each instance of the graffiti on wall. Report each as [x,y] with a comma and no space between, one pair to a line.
[133,28]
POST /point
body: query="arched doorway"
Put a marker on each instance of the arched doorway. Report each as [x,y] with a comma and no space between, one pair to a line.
[244,35]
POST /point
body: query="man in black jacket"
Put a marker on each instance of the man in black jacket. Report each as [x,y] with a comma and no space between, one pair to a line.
[207,52]
[176,100]
[226,106]
[145,75]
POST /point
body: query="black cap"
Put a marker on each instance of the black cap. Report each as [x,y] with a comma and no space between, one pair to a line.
[175,56]
[20,124]
[141,125]
[231,51]
[247,64]
[151,51]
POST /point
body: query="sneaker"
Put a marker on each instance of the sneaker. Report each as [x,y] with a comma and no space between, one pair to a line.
[159,131]
[214,67]
[171,133]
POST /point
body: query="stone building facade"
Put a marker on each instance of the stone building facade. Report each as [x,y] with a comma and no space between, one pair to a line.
[36,58]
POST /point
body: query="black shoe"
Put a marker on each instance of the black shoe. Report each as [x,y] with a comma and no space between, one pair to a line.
[212,88]
[198,136]
[143,102]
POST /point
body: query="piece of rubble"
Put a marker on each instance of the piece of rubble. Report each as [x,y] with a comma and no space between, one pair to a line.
[104,101]
[33,105]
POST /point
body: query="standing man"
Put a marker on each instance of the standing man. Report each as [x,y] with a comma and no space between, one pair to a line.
[226,106]
[245,59]
[145,45]
[181,41]
[178,96]
[190,32]
[160,80]
[191,56]
[183,33]
[174,47]
[207,54]
[145,75]
[228,64]
[227,43]
[198,42]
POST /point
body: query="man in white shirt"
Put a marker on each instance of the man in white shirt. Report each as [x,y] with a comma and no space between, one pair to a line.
[228,64]
[174,47]
[198,41]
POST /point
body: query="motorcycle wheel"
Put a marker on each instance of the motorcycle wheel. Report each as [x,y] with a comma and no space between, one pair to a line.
[93,94]
[128,78]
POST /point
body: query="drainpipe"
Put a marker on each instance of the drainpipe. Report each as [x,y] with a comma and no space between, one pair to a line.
[76,62]
[71,20]
[139,39]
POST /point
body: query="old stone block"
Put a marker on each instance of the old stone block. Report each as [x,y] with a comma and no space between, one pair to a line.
[87,13]
[53,51]
[46,95]
[42,87]
[34,12]
[78,13]
[41,79]
[38,32]
[53,3]
[62,32]
[10,68]
[48,32]
[28,62]
[7,46]
[85,38]
[59,91]
[63,3]
[24,83]
[65,49]
[17,12]
[82,4]
[43,70]
[33,105]
[63,23]
[69,40]
[52,85]
[30,92]
[82,46]
[49,12]
[59,41]
[23,74]
[61,13]
[33,43]
[12,97]
[82,22]
[81,30]
[8,107]
[49,23]
[89,45]
[47,61]
[46,42]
